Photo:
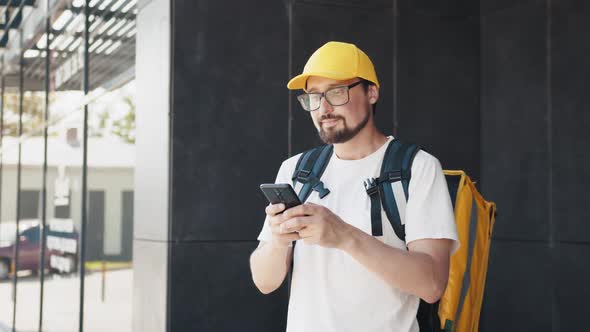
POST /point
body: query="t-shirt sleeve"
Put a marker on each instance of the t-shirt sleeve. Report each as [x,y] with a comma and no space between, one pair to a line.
[283,176]
[429,211]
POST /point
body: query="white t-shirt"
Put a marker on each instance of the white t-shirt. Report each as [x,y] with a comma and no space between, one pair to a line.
[332,292]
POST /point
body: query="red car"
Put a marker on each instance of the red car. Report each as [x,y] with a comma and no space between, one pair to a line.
[60,256]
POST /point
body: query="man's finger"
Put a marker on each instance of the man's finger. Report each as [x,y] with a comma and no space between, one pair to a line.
[277,219]
[301,210]
[306,232]
[274,209]
[279,228]
[295,224]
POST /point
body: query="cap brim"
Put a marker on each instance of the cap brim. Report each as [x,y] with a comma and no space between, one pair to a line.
[299,81]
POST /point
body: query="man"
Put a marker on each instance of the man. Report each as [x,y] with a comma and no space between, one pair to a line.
[345,279]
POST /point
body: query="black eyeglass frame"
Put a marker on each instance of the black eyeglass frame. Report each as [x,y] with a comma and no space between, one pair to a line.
[323,94]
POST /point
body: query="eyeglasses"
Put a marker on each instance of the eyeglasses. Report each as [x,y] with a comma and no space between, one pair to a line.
[337,96]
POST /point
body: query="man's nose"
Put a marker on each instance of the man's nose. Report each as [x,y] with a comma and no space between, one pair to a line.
[325,107]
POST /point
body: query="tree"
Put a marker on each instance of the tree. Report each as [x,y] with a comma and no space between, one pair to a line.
[125,126]
[33,117]
[32,121]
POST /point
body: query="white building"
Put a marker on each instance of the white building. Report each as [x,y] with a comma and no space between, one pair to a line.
[110,187]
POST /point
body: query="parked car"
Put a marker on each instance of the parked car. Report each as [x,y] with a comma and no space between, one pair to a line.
[61,252]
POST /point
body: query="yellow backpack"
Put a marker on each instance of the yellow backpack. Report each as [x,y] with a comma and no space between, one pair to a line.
[460,306]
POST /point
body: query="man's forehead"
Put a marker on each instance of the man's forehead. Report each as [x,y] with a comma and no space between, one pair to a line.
[318,83]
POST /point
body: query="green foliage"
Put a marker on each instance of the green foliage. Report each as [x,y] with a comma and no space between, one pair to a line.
[32,118]
[125,126]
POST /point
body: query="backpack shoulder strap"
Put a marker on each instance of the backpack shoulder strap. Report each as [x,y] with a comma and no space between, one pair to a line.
[309,170]
[394,182]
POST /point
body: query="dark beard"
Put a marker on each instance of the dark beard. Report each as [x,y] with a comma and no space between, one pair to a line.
[343,135]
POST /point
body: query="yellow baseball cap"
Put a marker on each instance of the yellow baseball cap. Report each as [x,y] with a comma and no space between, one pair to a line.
[338,61]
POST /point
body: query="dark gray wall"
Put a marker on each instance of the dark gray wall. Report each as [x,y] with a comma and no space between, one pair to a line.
[229,134]
[234,121]
[534,128]
[439,81]
[570,139]
[500,95]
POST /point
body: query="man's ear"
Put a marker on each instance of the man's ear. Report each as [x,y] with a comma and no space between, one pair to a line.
[373,94]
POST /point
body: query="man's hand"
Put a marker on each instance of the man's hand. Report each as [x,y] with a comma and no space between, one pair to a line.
[281,238]
[316,224]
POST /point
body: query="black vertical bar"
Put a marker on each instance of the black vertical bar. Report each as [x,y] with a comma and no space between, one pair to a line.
[1,131]
[290,132]
[84,170]
[44,190]
[394,66]
[171,70]
[18,177]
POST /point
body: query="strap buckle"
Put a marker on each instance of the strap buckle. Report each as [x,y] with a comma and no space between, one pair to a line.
[394,176]
[303,176]
[371,186]
[322,191]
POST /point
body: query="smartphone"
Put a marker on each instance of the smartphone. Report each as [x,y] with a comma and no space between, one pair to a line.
[280,193]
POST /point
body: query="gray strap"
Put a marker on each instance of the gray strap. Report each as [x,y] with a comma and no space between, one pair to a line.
[470,252]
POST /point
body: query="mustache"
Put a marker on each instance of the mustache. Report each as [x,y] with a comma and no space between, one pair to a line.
[330,116]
